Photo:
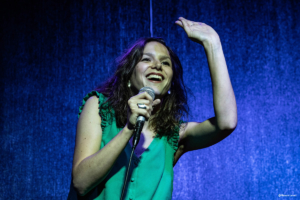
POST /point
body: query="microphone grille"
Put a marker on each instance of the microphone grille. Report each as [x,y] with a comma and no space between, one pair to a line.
[149,90]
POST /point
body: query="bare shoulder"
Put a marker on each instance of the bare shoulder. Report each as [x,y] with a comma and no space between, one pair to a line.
[90,106]
[89,116]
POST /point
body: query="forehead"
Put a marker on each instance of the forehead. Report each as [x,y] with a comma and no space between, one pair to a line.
[156,47]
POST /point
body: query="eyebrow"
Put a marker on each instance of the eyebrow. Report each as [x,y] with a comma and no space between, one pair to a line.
[161,57]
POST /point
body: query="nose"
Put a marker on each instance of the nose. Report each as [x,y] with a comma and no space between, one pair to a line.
[157,65]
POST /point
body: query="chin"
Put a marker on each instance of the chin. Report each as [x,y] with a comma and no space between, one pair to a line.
[158,91]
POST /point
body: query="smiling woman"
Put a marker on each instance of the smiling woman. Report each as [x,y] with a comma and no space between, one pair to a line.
[154,69]
[109,114]
[149,62]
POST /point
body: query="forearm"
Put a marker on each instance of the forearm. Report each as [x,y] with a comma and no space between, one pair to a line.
[94,168]
[223,94]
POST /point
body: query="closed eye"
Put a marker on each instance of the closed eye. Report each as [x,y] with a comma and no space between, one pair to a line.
[166,63]
[145,59]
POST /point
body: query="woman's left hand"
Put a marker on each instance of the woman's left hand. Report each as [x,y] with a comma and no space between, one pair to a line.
[199,32]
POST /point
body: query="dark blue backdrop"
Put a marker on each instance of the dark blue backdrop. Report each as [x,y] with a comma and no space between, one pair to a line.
[54,52]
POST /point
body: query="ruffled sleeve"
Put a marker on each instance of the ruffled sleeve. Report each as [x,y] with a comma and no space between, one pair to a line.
[175,137]
[103,109]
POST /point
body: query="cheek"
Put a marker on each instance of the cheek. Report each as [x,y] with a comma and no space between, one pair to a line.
[139,69]
[170,78]
[137,76]
[136,72]
[170,74]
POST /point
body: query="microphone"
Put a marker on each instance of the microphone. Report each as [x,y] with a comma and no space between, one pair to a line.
[141,119]
[137,132]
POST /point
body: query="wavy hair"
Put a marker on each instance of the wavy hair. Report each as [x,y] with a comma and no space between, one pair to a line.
[174,106]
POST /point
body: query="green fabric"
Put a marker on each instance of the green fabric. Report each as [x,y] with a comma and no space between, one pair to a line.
[151,174]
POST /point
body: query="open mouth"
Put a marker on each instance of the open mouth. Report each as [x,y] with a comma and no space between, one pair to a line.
[155,77]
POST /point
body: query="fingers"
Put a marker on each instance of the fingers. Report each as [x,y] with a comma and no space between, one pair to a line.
[144,95]
[133,104]
[156,102]
[182,22]
[185,22]
[179,23]
[149,99]
[143,98]
[134,111]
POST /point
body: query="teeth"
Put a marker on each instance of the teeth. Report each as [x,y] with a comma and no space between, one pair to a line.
[154,76]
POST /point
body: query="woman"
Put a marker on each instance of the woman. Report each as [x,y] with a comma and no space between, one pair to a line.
[107,119]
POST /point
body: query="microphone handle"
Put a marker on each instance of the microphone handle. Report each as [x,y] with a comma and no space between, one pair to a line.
[137,130]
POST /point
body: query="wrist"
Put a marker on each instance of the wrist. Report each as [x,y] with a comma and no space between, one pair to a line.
[127,132]
[213,43]
[129,126]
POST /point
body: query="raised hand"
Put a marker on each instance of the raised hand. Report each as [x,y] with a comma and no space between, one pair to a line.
[199,32]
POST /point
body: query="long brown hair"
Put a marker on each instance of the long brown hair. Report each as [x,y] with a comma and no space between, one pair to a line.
[174,105]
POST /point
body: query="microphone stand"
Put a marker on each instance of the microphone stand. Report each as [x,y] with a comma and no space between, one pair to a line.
[136,138]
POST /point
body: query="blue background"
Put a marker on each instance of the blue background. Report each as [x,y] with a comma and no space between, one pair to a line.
[54,52]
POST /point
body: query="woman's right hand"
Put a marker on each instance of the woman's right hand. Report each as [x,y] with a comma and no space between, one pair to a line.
[134,111]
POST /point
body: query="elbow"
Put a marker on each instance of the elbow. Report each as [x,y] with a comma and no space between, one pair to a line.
[83,183]
[79,187]
[231,125]
[228,126]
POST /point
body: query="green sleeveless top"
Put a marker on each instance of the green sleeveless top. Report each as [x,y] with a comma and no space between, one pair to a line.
[151,174]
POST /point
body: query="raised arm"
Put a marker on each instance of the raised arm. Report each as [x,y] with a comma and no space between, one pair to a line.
[91,165]
[200,135]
